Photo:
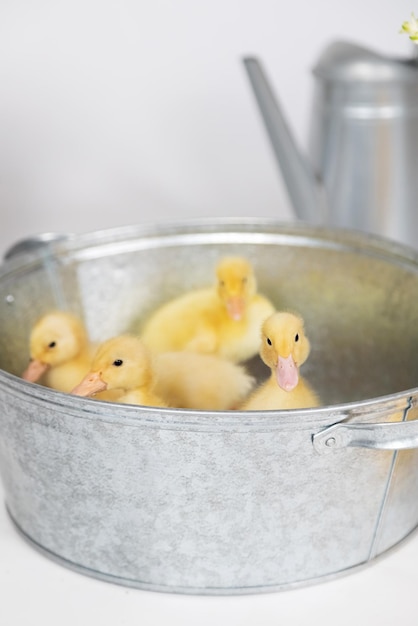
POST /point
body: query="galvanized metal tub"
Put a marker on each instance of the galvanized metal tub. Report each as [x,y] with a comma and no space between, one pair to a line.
[223,502]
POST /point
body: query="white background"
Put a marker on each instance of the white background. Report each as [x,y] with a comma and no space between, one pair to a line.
[122,112]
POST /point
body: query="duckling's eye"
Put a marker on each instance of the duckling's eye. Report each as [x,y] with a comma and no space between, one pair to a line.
[245,280]
[222,283]
[269,341]
[117,363]
[297,337]
[52,344]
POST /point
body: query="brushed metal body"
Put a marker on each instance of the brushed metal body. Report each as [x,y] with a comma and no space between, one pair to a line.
[222,502]
[364,140]
[360,171]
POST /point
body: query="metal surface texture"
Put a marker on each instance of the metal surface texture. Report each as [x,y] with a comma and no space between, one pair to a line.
[360,167]
[217,502]
[364,138]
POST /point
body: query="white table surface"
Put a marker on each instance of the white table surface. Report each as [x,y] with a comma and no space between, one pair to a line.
[35,590]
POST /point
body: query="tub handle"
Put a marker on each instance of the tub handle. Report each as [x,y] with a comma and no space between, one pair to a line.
[34,243]
[378,436]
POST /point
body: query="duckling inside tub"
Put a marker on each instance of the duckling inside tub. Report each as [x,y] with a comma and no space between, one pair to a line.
[60,352]
[223,320]
[284,348]
[177,379]
[125,364]
[191,380]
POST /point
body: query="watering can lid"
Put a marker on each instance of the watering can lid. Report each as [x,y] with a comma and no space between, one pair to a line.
[345,61]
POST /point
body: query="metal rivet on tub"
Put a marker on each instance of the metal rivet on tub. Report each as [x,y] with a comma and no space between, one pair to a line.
[330,442]
[10,299]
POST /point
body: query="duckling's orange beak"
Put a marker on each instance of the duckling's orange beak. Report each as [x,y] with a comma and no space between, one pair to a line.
[287,373]
[91,384]
[235,307]
[34,370]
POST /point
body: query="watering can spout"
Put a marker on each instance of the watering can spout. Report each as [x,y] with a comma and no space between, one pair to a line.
[305,190]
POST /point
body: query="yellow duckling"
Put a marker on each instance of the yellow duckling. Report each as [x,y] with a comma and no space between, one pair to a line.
[284,348]
[59,350]
[125,364]
[176,379]
[223,320]
[207,382]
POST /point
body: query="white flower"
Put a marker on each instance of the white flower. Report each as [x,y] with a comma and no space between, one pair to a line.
[411,28]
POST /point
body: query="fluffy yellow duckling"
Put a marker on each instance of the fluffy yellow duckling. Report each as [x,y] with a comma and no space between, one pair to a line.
[224,320]
[176,379]
[125,364]
[284,348]
[59,350]
[207,382]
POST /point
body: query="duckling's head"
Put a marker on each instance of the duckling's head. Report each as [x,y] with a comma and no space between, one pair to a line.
[56,338]
[120,363]
[284,347]
[236,285]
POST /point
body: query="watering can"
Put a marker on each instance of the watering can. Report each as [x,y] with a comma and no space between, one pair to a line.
[361,167]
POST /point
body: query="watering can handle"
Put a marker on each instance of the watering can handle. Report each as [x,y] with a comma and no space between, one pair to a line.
[379,436]
[33,243]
